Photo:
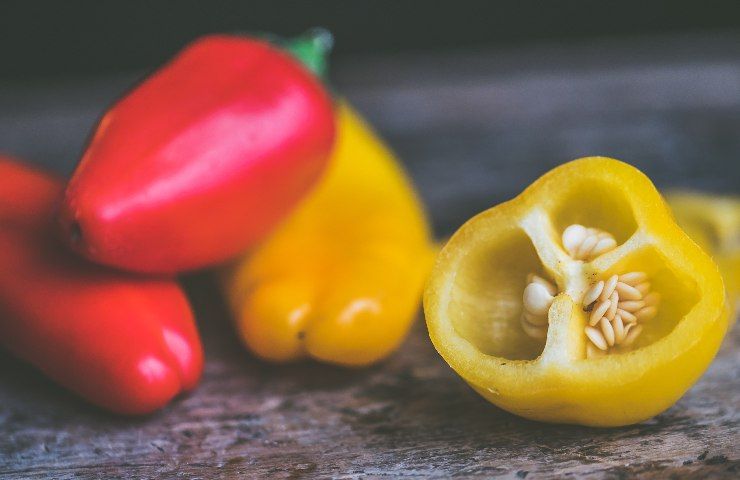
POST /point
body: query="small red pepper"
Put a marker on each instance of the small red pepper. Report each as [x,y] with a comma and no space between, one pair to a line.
[125,343]
[201,160]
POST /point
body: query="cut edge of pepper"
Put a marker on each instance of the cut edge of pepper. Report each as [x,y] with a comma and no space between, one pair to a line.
[479,368]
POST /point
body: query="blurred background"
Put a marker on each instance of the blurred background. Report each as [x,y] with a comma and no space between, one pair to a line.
[478,98]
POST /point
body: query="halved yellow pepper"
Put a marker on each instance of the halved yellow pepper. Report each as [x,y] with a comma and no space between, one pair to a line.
[713,221]
[473,301]
[341,280]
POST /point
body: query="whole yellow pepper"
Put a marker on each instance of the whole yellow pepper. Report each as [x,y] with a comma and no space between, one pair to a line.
[341,279]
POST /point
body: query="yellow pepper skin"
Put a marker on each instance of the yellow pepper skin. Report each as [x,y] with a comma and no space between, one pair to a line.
[473,300]
[341,279]
[713,221]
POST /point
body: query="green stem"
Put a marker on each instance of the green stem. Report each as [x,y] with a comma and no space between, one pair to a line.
[312,49]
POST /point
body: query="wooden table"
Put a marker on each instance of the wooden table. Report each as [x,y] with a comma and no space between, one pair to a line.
[473,128]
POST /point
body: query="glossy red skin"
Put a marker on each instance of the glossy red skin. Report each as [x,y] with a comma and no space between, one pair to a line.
[201,160]
[125,343]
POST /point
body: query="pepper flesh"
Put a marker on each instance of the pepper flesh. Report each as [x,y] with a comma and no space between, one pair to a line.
[127,344]
[472,302]
[341,280]
[201,160]
[713,221]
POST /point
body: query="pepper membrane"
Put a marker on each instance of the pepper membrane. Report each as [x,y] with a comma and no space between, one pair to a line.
[473,302]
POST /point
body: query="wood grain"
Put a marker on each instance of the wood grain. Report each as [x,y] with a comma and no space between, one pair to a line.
[473,129]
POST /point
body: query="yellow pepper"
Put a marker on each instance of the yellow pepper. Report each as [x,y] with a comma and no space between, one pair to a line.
[713,222]
[341,280]
[579,301]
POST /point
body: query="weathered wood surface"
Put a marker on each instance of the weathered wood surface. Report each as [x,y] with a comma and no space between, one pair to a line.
[473,130]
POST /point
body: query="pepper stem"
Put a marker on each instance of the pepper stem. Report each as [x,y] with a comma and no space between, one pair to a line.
[312,49]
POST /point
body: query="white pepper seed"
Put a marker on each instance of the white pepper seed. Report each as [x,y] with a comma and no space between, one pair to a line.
[607,330]
[614,299]
[646,313]
[592,293]
[586,246]
[643,288]
[627,317]
[598,312]
[609,287]
[633,278]
[537,299]
[652,299]
[551,289]
[619,331]
[583,243]
[628,292]
[537,320]
[539,333]
[596,338]
[573,236]
[632,335]
[604,245]
[632,305]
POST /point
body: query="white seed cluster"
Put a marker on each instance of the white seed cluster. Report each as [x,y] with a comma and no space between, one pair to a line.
[584,243]
[617,308]
[537,298]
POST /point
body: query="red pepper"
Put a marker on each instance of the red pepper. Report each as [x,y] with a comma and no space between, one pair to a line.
[125,343]
[201,160]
